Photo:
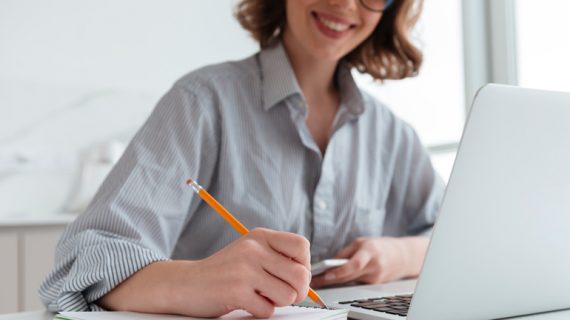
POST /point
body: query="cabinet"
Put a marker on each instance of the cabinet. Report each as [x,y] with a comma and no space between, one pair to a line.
[8,272]
[37,256]
[26,256]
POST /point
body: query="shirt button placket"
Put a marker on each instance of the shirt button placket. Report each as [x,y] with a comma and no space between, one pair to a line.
[322,204]
[323,208]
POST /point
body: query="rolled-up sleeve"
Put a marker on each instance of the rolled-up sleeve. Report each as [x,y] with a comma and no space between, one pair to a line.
[139,211]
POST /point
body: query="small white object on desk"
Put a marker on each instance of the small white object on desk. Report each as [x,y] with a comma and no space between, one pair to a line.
[322,266]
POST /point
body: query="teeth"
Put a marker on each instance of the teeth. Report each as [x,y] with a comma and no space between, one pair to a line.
[334,25]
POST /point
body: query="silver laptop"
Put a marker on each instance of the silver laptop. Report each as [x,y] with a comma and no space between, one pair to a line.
[501,244]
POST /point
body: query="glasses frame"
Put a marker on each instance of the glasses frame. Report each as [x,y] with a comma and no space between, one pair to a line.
[388,4]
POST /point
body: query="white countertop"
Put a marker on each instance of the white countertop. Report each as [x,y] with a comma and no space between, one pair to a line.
[32,315]
[44,315]
[21,219]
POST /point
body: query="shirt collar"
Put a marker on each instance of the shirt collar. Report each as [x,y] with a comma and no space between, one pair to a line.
[350,93]
[278,79]
[279,82]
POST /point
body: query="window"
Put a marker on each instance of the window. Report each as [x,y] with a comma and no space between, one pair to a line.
[543,49]
[434,102]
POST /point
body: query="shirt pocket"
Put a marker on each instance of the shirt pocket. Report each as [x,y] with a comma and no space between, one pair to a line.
[367,222]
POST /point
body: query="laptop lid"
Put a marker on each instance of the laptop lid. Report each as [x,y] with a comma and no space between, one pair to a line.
[501,245]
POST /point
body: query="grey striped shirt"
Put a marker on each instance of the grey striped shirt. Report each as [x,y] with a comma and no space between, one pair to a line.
[239,129]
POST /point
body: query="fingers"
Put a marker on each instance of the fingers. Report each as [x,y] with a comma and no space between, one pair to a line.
[290,245]
[277,291]
[290,272]
[347,251]
[352,270]
[285,265]
[258,305]
[257,272]
[331,277]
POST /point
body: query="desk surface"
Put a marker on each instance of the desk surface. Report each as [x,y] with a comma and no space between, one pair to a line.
[44,315]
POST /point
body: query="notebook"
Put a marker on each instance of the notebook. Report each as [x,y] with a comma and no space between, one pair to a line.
[290,312]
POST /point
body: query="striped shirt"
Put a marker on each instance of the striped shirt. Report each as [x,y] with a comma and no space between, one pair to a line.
[239,129]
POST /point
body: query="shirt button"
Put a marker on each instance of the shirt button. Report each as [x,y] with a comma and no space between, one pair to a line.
[322,204]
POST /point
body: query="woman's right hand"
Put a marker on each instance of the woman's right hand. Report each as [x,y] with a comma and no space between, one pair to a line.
[256,273]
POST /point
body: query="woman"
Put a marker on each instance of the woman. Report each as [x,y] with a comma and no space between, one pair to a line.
[287,142]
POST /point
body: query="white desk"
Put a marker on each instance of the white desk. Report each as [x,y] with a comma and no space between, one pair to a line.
[43,315]
[32,315]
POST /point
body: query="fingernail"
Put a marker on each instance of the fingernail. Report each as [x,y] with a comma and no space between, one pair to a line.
[330,276]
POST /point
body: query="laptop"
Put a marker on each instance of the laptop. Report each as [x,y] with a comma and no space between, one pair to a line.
[501,244]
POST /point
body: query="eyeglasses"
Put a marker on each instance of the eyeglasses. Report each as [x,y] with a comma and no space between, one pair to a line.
[376,5]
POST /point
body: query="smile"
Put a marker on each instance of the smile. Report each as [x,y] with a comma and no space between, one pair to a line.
[331,26]
[339,27]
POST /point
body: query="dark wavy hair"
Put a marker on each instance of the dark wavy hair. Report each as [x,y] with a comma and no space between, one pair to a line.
[388,53]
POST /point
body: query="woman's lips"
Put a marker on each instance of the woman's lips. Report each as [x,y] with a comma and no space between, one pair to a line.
[331,26]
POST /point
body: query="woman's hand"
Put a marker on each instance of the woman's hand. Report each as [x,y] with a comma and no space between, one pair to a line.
[376,260]
[256,273]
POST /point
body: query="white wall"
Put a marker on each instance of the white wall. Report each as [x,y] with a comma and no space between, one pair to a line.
[77,74]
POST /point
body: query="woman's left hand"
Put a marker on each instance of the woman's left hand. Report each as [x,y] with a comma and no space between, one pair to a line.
[376,260]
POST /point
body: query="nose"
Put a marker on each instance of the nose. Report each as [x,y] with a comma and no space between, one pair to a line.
[344,4]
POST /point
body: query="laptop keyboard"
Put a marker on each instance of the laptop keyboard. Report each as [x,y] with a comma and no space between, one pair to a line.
[397,305]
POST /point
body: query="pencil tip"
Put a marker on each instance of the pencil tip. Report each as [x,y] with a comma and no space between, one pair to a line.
[189,181]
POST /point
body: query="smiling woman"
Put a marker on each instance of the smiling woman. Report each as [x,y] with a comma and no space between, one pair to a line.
[291,146]
[387,53]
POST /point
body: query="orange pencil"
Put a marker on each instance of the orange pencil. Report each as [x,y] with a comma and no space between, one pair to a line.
[238,226]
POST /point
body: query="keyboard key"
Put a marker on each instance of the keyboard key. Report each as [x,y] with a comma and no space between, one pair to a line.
[395,305]
[346,302]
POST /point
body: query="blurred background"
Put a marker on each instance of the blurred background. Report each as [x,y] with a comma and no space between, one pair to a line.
[78,78]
